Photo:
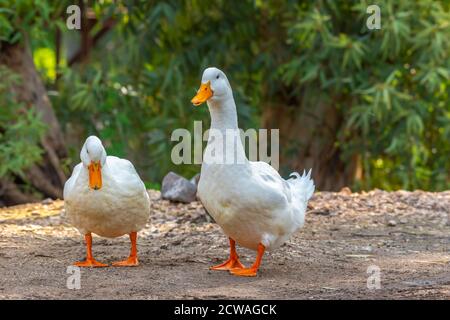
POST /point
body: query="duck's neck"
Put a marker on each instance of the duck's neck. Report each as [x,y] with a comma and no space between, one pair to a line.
[224,120]
[223,114]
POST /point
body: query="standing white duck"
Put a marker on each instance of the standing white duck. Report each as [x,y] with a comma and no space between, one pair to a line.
[252,203]
[105,196]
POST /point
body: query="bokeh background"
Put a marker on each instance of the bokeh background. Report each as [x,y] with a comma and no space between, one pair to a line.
[365,108]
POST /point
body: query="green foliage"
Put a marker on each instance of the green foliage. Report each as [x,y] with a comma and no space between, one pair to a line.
[392,85]
[20,129]
[20,18]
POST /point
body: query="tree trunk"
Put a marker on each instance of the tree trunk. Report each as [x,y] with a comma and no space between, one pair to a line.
[47,176]
[308,140]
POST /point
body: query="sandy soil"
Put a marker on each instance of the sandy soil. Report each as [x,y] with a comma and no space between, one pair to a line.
[406,235]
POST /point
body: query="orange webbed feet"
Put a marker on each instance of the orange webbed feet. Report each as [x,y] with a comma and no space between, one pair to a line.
[130,262]
[245,272]
[230,264]
[92,263]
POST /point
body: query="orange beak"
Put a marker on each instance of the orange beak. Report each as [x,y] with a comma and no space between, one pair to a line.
[203,94]
[95,175]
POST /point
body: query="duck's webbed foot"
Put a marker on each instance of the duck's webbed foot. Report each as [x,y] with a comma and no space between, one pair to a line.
[232,263]
[253,270]
[132,260]
[245,272]
[90,261]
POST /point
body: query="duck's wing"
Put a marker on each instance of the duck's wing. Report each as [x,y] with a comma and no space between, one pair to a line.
[117,164]
[124,173]
[299,187]
[292,194]
[273,189]
[270,177]
[70,183]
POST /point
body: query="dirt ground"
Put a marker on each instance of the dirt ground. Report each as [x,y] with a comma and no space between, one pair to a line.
[347,236]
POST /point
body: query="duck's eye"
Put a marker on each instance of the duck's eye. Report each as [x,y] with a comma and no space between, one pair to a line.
[217,77]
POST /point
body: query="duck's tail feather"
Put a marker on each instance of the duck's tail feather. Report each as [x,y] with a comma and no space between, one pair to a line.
[302,184]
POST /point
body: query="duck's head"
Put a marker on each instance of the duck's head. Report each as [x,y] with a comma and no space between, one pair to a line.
[93,156]
[214,87]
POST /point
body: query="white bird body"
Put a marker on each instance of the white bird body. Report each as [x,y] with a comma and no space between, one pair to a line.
[250,200]
[253,204]
[119,207]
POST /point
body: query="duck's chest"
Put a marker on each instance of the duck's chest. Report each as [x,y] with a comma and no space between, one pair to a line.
[111,197]
[95,202]
[222,190]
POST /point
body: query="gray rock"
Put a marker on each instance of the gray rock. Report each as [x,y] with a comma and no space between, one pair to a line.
[195,179]
[47,201]
[176,188]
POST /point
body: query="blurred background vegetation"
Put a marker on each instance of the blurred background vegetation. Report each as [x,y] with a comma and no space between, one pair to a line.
[364,108]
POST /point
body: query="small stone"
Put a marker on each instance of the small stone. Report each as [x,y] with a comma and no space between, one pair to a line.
[392,223]
[177,188]
[322,212]
[346,190]
[47,201]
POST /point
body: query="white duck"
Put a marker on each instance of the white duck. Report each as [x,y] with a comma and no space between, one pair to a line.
[253,204]
[105,196]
